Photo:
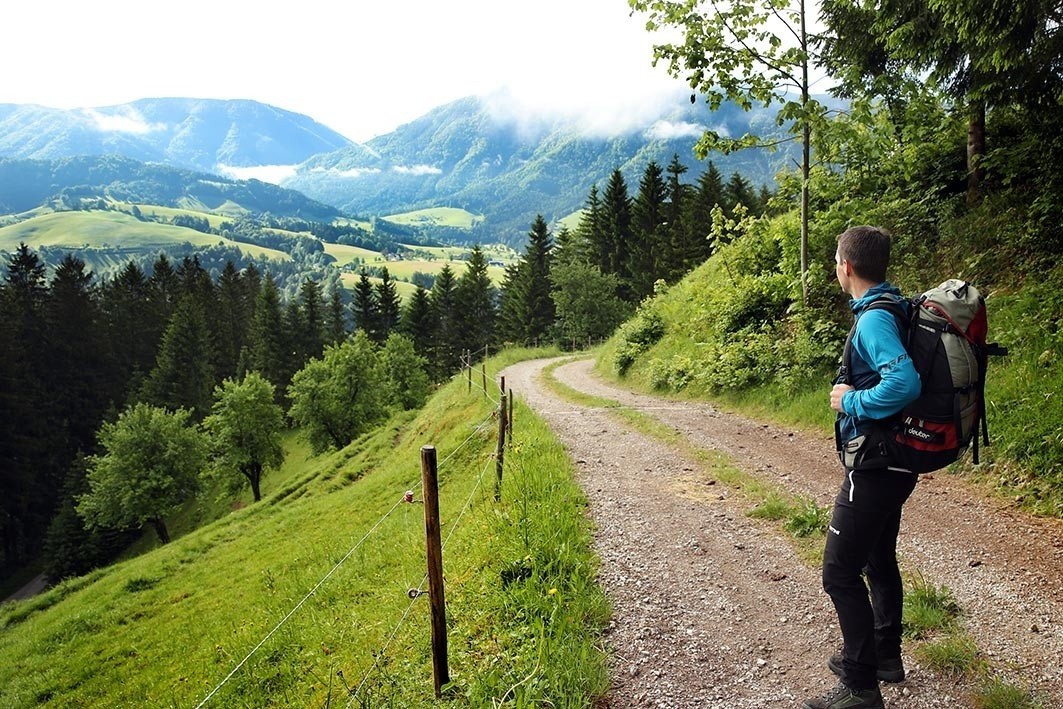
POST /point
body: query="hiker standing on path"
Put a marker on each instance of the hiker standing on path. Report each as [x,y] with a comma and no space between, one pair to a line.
[862,536]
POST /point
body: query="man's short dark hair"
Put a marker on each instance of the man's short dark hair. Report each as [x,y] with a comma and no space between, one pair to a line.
[867,249]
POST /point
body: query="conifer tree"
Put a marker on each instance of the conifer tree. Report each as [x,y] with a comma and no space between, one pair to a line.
[446,345]
[475,304]
[183,377]
[335,315]
[134,332]
[591,229]
[387,304]
[30,478]
[268,347]
[528,312]
[75,357]
[232,318]
[649,233]
[738,190]
[616,232]
[708,194]
[418,323]
[678,230]
[364,306]
[311,333]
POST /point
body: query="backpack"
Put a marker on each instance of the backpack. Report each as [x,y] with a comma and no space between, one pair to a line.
[944,331]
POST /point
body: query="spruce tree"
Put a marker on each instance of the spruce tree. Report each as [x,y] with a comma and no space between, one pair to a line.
[418,322]
[183,377]
[335,315]
[311,332]
[31,474]
[268,338]
[388,308]
[616,232]
[708,194]
[528,312]
[591,229]
[446,345]
[133,328]
[364,306]
[232,318]
[475,300]
[650,238]
[678,230]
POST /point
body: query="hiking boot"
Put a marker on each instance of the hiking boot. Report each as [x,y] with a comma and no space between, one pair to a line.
[841,697]
[889,669]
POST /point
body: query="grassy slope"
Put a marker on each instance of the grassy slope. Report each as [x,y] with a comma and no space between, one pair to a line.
[166,627]
[437,216]
[1023,390]
[112,231]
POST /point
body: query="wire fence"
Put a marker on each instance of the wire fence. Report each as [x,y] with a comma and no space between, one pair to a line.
[414,593]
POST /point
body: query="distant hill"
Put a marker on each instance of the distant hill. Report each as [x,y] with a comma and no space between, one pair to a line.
[200,134]
[25,184]
[461,155]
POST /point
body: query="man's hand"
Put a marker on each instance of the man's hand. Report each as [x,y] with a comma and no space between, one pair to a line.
[836,395]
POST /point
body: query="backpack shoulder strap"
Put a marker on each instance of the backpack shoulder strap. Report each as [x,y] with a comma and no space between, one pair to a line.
[899,312]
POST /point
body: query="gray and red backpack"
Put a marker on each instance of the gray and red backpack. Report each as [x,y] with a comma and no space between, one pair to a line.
[945,332]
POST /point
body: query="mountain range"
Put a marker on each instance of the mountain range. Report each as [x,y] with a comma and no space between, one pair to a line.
[464,154]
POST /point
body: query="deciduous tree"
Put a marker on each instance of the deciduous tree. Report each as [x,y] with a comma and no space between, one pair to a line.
[245,427]
[150,465]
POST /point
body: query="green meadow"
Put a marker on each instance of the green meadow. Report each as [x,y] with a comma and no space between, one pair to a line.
[119,234]
[303,598]
[437,217]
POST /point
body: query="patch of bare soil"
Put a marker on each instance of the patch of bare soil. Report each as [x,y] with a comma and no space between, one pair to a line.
[714,609]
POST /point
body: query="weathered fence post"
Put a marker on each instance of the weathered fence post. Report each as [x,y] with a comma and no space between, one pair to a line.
[500,450]
[430,481]
[466,360]
[509,419]
[483,374]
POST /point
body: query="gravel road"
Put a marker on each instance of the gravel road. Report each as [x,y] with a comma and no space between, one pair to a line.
[713,608]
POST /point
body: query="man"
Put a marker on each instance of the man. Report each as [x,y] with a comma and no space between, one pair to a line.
[862,537]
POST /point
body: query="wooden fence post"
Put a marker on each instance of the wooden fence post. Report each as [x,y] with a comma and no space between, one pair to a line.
[483,374]
[430,481]
[500,450]
[468,365]
[509,419]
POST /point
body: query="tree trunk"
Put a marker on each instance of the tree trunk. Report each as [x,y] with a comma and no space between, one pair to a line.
[806,140]
[975,152]
[253,473]
[160,529]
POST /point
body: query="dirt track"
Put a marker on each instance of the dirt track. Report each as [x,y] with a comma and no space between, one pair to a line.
[714,609]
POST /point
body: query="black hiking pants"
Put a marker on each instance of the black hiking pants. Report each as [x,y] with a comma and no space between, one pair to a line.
[862,540]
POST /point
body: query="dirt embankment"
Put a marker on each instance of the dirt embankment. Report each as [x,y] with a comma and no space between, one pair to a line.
[715,609]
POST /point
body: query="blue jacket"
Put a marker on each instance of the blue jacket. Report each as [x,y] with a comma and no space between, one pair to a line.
[882,375]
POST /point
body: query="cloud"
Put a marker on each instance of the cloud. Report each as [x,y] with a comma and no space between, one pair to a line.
[273,174]
[593,112]
[416,170]
[353,173]
[667,130]
[128,121]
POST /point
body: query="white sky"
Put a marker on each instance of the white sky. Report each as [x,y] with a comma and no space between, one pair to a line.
[361,67]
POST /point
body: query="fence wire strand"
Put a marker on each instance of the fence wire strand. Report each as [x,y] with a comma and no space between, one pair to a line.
[300,603]
[409,607]
[351,551]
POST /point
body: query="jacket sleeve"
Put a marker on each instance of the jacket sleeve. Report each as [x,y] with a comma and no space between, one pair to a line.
[878,342]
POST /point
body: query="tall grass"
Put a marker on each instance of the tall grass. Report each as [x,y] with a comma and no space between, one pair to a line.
[310,587]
